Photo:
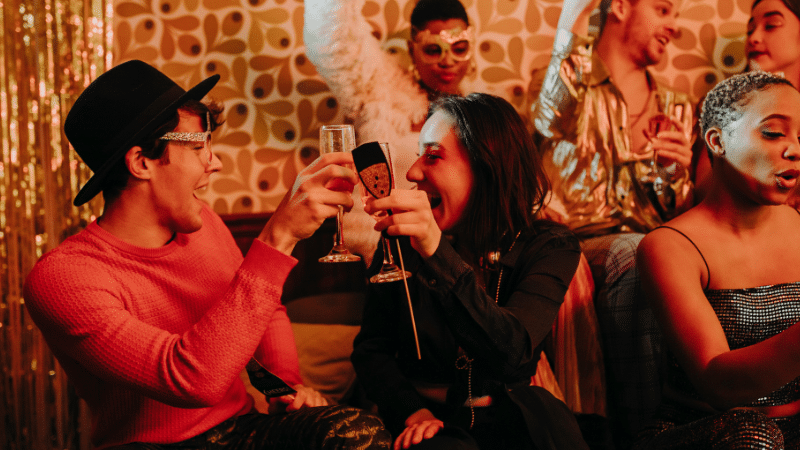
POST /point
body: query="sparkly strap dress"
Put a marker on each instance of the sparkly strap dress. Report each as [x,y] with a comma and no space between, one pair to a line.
[684,420]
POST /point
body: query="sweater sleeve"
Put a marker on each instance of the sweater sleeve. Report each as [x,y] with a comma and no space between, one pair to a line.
[92,316]
[277,351]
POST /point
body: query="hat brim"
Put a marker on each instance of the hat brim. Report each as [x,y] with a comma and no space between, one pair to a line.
[95,184]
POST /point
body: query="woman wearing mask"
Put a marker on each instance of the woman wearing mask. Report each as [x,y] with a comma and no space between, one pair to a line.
[386,102]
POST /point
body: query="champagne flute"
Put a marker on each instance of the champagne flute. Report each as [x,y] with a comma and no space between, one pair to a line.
[657,123]
[338,138]
[375,171]
[389,271]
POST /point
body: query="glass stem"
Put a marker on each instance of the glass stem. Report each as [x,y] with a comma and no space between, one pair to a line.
[388,259]
[339,242]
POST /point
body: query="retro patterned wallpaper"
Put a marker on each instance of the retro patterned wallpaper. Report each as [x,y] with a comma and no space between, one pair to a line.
[275,102]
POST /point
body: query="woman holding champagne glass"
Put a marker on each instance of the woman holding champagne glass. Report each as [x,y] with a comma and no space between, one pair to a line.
[484,297]
[724,280]
[387,101]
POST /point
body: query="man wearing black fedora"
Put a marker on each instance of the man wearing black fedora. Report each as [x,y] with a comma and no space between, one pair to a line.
[152,310]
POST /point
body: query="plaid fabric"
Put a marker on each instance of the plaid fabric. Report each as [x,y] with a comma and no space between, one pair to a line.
[631,337]
[322,428]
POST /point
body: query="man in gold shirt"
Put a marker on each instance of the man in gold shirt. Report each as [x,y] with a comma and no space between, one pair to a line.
[614,178]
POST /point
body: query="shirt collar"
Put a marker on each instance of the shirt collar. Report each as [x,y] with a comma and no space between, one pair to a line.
[600,74]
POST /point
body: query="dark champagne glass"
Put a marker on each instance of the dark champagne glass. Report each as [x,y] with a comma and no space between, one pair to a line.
[389,271]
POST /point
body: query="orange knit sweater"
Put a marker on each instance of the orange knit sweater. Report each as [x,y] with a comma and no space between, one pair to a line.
[154,339]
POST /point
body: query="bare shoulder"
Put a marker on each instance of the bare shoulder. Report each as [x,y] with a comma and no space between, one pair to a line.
[677,236]
[675,251]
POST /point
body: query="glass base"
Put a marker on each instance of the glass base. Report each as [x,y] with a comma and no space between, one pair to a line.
[339,255]
[389,273]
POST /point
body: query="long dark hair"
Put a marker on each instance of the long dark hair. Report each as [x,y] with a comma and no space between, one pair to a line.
[510,183]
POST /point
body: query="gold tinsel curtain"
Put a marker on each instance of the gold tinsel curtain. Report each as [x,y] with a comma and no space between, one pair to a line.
[49,51]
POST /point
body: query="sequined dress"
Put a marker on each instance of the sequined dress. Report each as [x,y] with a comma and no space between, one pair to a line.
[748,316]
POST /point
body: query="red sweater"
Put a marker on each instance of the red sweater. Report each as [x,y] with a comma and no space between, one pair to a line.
[154,339]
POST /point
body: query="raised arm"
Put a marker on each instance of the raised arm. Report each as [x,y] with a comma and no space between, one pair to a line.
[83,308]
[672,277]
[553,92]
[124,320]
[340,44]
[575,15]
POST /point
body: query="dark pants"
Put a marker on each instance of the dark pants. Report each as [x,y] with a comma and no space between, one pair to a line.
[495,427]
[630,334]
[323,428]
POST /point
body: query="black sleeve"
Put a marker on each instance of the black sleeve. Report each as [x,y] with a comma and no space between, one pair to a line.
[377,344]
[505,337]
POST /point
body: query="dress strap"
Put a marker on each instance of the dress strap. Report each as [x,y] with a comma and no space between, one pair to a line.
[708,280]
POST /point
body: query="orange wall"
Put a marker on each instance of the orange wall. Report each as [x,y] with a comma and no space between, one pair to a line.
[275,102]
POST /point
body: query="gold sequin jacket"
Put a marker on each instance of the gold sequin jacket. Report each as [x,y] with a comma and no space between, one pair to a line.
[581,120]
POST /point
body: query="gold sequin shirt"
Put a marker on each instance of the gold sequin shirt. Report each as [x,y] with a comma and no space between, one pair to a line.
[583,123]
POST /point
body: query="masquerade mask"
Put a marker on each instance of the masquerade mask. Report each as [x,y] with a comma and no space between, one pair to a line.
[204,137]
[456,41]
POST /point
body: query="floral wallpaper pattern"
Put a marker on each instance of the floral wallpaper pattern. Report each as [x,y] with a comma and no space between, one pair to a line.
[275,102]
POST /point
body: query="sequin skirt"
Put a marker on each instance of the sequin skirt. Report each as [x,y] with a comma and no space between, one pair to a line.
[680,428]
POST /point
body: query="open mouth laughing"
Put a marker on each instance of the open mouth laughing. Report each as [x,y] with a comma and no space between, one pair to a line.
[435,200]
[788,178]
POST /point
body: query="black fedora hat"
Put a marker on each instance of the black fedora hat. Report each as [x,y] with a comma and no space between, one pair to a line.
[117,110]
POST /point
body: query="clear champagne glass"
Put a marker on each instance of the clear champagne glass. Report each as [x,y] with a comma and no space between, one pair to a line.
[338,138]
[389,271]
[657,123]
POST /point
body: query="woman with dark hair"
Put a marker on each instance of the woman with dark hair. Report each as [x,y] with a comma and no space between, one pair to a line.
[488,280]
[724,280]
[772,45]
[387,101]
[773,38]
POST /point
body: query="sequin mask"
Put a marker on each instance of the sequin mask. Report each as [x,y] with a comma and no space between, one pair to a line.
[204,137]
[456,41]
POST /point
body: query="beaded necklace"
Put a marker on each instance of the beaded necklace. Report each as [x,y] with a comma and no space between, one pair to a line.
[464,362]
